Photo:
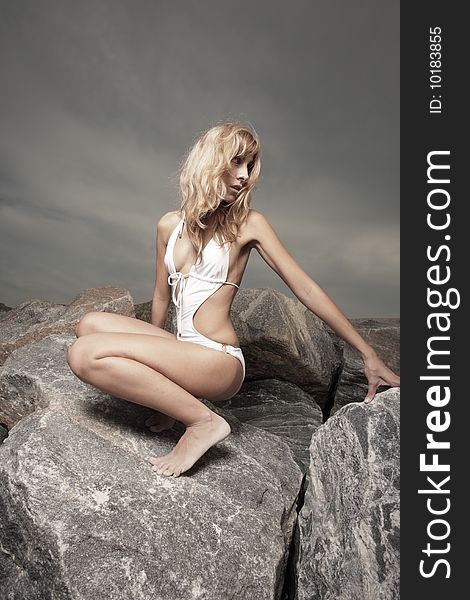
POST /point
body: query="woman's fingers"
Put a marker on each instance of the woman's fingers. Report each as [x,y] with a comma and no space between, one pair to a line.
[371,393]
[393,381]
[378,374]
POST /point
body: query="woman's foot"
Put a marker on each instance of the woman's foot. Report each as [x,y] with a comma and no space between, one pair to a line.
[195,442]
[159,422]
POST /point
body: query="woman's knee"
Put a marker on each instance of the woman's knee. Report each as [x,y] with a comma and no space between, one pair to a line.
[89,323]
[80,357]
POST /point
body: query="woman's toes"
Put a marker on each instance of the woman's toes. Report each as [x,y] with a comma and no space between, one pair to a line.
[158,465]
[161,467]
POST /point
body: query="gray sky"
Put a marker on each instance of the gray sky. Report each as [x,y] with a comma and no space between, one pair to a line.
[101,99]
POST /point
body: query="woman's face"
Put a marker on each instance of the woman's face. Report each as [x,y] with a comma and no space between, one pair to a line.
[237,177]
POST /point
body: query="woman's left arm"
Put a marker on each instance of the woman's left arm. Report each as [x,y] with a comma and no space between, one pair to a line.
[315,299]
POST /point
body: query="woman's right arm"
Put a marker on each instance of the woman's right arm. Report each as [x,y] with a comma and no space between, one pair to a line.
[162,293]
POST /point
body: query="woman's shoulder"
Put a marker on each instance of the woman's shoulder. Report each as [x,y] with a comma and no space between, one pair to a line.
[257,219]
[251,226]
[167,223]
[254,216]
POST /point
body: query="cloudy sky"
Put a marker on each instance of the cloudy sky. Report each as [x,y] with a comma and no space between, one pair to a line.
[102,98]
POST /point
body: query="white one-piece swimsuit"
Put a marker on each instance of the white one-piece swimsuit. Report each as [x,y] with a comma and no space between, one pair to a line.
[195,287]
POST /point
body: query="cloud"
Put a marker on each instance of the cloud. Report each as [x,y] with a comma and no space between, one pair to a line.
[103,101]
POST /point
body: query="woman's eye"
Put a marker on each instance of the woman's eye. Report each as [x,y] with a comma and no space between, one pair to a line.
[239,160]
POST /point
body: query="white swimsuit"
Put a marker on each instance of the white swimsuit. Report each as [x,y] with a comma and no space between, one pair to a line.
[195,287]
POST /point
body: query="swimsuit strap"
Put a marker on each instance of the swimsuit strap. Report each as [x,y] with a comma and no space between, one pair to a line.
[177,276]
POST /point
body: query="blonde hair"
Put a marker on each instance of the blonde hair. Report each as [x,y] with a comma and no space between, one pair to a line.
[203,189]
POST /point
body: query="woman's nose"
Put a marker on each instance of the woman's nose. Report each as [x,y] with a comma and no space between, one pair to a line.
[242,171]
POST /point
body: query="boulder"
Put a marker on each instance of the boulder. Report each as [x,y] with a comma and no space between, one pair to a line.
[4,308]
[280,408]
[35,319]
[143,312]
[285,507]
[3,433]
[347,543]
[85,517]
[384,336]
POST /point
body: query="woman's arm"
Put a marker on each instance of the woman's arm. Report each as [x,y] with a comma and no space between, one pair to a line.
[161,295]
[273,252]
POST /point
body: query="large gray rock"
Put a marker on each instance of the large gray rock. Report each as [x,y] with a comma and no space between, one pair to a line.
[85,517]
[349,524]
[383,334]
[4,308]
[280,408]
[143,312]
[35,319]
[280,335]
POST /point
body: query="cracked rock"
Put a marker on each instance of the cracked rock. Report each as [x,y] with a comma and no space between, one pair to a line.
[349,524]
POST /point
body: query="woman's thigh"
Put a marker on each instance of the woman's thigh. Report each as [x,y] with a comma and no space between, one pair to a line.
[202,371]
[101,322]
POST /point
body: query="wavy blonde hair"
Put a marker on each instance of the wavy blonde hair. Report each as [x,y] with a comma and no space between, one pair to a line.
[203,189]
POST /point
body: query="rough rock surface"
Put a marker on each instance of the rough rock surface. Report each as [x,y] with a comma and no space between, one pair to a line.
[34,319]
[348,527]
[143,312]
[85,517]
[383,335]
[280,408]
[279,335]
[3,433]
[4,308]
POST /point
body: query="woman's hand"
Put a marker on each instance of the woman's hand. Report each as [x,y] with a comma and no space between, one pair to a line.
[378,374]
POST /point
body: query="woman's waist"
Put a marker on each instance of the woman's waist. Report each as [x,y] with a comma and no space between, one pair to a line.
[220,331]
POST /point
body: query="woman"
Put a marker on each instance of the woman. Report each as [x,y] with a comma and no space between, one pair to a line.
[202,253]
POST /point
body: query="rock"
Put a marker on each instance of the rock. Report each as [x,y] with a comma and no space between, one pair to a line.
[280,335]
[384,336]
[35,319]
[280,408]
[4,308]
[348,527]
[84,516]
[143,312]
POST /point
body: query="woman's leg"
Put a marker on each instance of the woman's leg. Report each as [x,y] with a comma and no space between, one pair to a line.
[167,375]
[102,322]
